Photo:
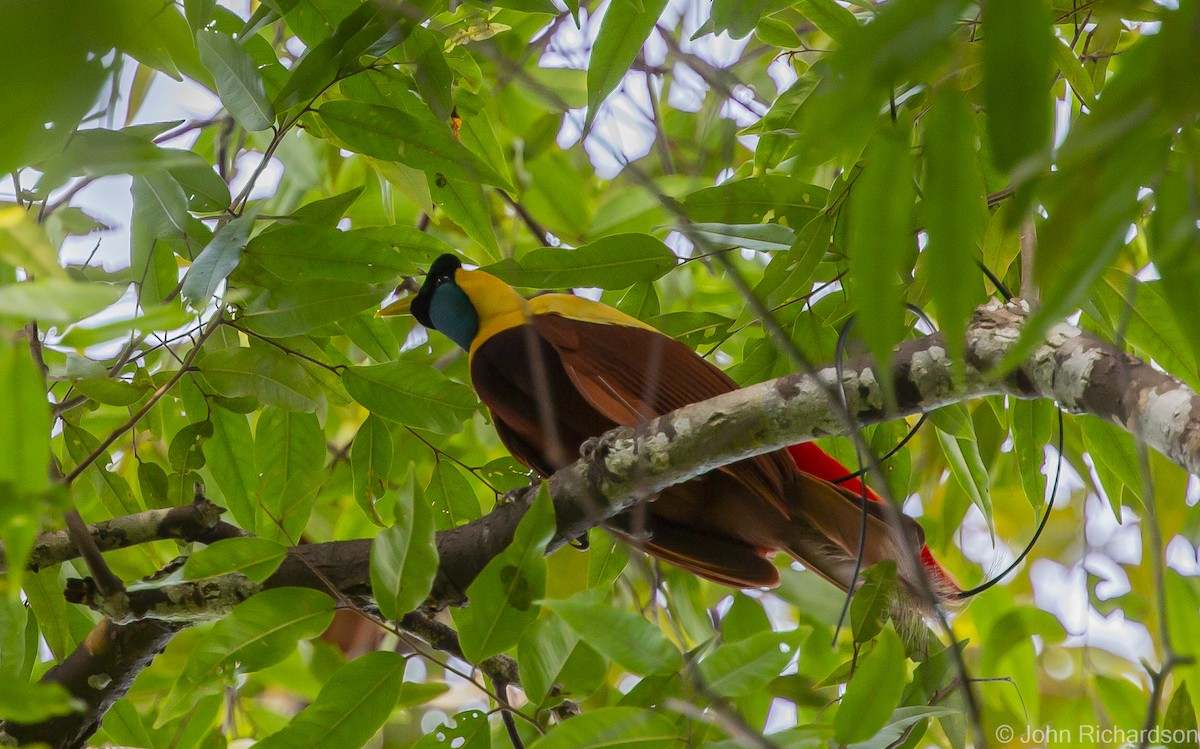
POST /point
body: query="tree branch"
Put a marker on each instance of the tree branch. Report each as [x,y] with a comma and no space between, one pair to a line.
[198,521]
[1083,373]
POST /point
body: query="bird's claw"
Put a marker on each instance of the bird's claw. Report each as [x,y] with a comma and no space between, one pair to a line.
[594,449]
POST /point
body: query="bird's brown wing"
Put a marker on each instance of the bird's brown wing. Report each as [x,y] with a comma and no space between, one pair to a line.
[633,374]
[542,428]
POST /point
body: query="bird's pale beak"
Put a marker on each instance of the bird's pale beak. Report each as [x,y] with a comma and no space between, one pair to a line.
[396,308]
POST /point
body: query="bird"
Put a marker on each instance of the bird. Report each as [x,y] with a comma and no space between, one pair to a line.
[556,370]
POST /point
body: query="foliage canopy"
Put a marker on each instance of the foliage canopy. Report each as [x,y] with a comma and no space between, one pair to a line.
[841,158]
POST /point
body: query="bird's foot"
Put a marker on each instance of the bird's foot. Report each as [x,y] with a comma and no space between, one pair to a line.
[594,449]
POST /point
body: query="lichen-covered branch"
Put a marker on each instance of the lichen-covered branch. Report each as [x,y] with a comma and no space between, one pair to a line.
[1081,372]
[199,521]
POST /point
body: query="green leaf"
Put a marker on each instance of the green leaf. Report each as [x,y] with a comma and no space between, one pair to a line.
[297,252]
[614,262]
[626,727]
[744,667]
[619,635]
[266,373]
[24,243]
[259,632]
[1072,70]
[217,260]
[769,197]
[205,189]
[144,319]
[623,30]
[872,601]
[230,458]
[256,558]
[24,432]
[433,76]
[777,33]
[1175,247]
[957,216]
[1032,430]
[504,596]
[371,462]
[238,81]
[467,206]
[22,702]
[404,557]
[1116,459]
[962,455]
[1018,46]
[351,707]
[881,245]
[396,135]
[760,237]
[56,301]
[836,21]
[903,40]
[300,307]
[451,497]
[99,153]
[551,653]
[1180,719]
[466,730]
[413,394]
[289,451]
[873,692]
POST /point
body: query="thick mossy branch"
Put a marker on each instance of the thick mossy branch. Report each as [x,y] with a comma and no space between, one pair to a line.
[1076,369]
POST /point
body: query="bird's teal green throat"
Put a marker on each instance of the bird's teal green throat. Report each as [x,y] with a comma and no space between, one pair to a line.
[442,305]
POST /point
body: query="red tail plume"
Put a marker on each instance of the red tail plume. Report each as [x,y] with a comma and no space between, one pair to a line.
[812,459]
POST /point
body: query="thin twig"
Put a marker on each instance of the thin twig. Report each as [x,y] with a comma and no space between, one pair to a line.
[150,402]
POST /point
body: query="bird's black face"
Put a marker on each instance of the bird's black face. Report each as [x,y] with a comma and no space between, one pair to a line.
[442,305]
[441,272]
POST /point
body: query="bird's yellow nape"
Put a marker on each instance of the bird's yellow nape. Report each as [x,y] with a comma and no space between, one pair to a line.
[397,308]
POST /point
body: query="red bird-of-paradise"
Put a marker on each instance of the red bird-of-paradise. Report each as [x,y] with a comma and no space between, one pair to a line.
[556,370]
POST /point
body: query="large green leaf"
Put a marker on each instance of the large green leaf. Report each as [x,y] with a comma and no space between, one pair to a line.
[289,449]
[230,459]
[351,707]
[295,252]
[299,307]
[22,702]
[1175,247]
[504,596]
[260,632]
[614,262]
[371,461]
[413,394]
[256,558]
[605,727]
[396,135]
[873,691]
[269,375]
[623,31]
[217,260]
[741,668]
[238,81]
[404,558]
[55,300]
[1018,45]
[23,243]
[451,497]
[552,654]
[957,216]
[881,245]
[622,636]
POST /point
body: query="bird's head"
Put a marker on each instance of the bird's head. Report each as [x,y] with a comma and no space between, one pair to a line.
[441,304]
